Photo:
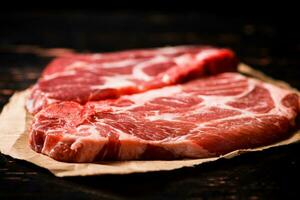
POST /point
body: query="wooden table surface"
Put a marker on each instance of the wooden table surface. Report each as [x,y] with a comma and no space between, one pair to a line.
[29,40]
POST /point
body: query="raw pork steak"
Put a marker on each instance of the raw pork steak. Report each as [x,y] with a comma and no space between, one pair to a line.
[88,77]
[206,117]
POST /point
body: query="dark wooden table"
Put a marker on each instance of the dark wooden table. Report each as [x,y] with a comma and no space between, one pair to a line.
[27,40]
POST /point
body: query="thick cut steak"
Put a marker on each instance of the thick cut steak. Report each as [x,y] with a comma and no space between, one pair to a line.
[202,118]
[89,77]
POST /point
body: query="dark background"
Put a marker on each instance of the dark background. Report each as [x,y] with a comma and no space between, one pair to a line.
[266,38]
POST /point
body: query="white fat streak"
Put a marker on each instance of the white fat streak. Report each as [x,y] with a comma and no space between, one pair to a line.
[122,135]
[138,69]
[169,50]
[114,82]
[186,148]
[59,74]
[165,116]
[166,78]
[104,65]
[183,60]
[206,53]
[96,56]
[204,124]
[118,64]
[222,83]
[142,98]
[76,65]
[91,129]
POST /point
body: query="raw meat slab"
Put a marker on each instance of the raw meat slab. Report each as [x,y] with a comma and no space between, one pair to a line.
[203,118]
[89,77]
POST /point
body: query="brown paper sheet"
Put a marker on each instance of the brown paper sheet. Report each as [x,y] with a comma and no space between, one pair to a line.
[14,122]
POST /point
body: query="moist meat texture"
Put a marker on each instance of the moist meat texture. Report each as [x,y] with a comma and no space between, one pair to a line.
[202,118]
[89,77]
